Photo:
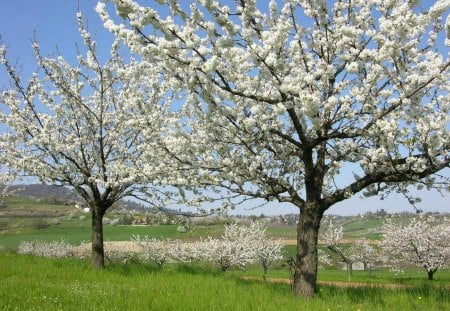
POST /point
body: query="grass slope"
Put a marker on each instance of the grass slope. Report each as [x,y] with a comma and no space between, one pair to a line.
[17,204]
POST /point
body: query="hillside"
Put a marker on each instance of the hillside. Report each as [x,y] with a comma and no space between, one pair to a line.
[59,195]
[48,193]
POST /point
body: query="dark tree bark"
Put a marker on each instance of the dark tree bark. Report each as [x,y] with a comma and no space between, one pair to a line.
[305,265]
[349,266]
[98,252]
[431,274]
[348,262]
[368,268]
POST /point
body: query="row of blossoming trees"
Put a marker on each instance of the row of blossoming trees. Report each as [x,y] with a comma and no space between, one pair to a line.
[423,242]
[296,101]
[239,246]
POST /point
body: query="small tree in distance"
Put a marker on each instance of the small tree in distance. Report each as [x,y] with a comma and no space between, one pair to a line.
[424,242]
[72,126]
[332,239]
[362,250]
[239,246]
[304,102]
[267,251]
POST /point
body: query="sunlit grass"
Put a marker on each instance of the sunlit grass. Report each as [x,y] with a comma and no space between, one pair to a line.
[32,283]
[409,277]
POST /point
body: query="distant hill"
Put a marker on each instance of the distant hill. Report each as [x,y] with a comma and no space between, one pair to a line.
[49,193]
[62,195]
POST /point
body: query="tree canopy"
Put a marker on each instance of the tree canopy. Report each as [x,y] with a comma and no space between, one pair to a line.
[301,101]
[83,126]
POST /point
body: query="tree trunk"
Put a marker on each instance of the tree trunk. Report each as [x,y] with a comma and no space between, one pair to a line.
[98,253]
[430,274]
[265,267]
[349,265]
[305,266]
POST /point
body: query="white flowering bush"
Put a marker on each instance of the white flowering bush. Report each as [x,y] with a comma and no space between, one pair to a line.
[83,251]
[121,256]
[226,253]
[332,239]
[424,242]
[363,251]
[239,246]
[122,252]
[242,245]
[324,259]
[46,249]
[154,250]
[182,252]
[360,250]
[266,250]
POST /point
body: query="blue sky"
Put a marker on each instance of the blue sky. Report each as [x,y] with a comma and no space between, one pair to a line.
[54,24]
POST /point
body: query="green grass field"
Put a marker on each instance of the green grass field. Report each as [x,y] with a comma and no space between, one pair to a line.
[23,215]
[33,283]
[75,233]
[409,277]
[22,220]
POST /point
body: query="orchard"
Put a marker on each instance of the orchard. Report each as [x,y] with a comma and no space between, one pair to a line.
[303,102]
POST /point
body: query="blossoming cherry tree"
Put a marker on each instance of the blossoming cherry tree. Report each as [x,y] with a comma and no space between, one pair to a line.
[300,101]
[82,126]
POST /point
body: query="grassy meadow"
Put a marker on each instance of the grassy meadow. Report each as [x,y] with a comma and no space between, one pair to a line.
[75,233]
[33,283]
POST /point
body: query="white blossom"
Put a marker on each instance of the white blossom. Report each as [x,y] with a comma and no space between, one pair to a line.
[70,125]
[53,249]
[364,251]
[153,249]
[424,242]
[276,95]
[254,91]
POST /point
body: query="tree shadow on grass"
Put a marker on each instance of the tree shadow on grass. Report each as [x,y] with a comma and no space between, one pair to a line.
[132,269]
[197,269]
[371,296]
[382,296]
[280,288]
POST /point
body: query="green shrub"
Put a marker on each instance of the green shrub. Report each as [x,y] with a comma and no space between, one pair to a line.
[3,224]
[39,224]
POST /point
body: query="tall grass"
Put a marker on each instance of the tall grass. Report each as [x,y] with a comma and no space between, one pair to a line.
[410,277]
[32,283]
